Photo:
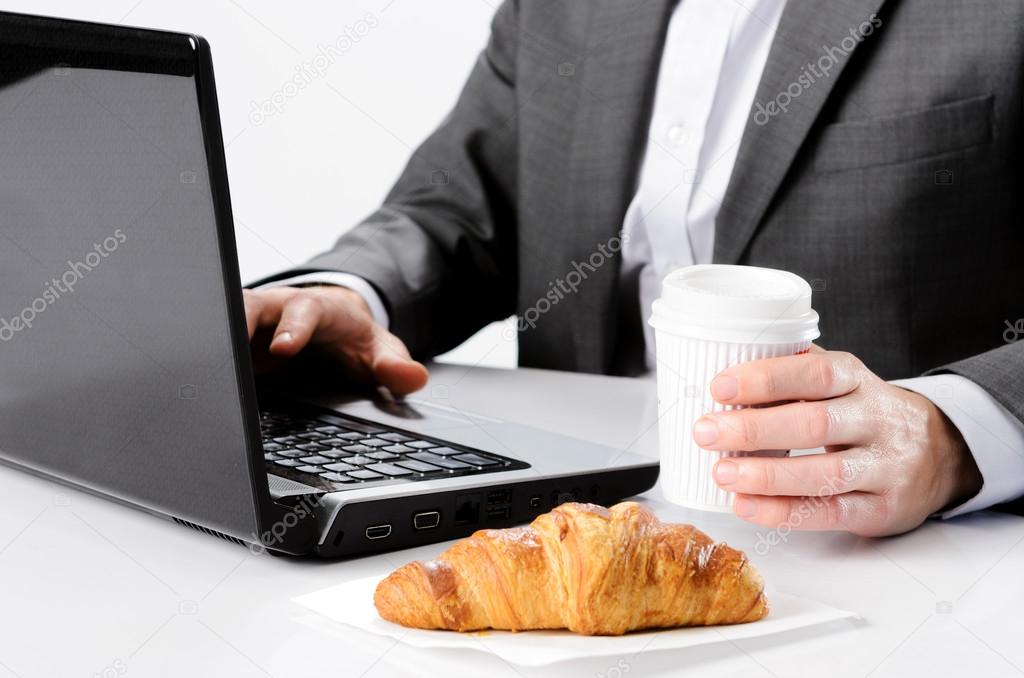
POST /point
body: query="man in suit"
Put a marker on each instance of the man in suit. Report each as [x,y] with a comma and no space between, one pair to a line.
[870,146]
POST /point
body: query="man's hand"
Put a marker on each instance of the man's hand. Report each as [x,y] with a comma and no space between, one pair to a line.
[334,322]
[892,457]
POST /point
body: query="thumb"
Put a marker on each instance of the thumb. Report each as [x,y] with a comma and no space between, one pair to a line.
[393,367]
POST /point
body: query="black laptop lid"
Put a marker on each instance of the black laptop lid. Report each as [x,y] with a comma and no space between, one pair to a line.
[117,292]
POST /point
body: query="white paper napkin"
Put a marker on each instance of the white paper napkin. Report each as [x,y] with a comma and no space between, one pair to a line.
[351,603]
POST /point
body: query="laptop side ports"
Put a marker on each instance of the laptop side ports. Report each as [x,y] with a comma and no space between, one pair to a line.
[378,531]
[426,520]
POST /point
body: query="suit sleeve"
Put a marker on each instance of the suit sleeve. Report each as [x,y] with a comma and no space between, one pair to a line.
[998,372]
[352,282]
[441,251]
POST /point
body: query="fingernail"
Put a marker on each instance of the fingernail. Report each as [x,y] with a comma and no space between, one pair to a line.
[284,336]
[726,473]
[745,508]
[724,387]
[705,431]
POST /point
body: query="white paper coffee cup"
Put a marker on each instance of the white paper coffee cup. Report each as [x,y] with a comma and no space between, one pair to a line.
[708,318]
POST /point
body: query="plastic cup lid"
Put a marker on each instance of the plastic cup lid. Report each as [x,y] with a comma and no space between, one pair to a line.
[739,304]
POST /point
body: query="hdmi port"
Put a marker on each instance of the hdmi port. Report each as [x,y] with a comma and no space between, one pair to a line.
[378,531]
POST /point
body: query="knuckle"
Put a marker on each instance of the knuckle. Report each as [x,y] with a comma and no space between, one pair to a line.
[837,475]
[833,510]
[819,424]
[749,429]
[305,302]
[885,510]
[852,367]
[789,512]
[824,372]
[768,384]
[851,361]
[876,515]
[767,478]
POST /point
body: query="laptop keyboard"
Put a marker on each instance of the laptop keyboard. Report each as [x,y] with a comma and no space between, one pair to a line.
[337,452]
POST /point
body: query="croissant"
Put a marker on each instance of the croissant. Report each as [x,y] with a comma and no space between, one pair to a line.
[593,570]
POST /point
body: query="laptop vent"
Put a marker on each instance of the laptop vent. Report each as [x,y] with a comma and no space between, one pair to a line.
[212,533]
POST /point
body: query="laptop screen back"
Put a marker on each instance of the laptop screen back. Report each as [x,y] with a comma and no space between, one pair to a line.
[116,364]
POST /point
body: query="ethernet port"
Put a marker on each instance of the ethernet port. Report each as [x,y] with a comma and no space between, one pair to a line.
[467,509]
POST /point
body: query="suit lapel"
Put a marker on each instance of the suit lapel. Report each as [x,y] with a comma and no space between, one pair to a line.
[617,74]
[808,32]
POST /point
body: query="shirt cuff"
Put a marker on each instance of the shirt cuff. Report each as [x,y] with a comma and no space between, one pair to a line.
[352,282]
[994,436]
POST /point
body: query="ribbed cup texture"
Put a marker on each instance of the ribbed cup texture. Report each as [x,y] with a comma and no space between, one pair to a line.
[686,367]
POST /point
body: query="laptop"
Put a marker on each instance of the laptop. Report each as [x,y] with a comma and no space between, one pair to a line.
[124,358]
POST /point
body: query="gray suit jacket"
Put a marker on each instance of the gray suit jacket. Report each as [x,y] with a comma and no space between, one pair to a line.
[894,183]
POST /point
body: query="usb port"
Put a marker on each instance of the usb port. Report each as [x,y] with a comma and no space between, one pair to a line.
[426,520]
[378,531]
[499,512]
[499,496]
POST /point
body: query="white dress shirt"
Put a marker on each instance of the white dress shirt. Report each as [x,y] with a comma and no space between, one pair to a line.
[714,53]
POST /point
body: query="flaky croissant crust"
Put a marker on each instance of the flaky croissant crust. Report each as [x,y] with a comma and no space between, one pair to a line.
[593,570]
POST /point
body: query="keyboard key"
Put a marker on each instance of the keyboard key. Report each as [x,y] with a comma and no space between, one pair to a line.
[476,460]
[421,444]
[288,462]
[312,435]
[364,428]
[309,469]
[375,442]
[288,440]
[310,447]
[363,474]
[357,449]
[336,478]
[446,451]
[395,437]
[330,430]
[315,459]
[360,460]
[443,462]
[335,454]
[272,447]
[418,466]
[397,449]
[270,456]
[383,456]
[350,435]
[341,467]
[289,452]
[389,470]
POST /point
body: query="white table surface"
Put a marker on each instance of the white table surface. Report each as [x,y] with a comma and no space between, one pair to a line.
[93,588]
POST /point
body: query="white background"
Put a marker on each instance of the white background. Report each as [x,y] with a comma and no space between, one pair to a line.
[301,177]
